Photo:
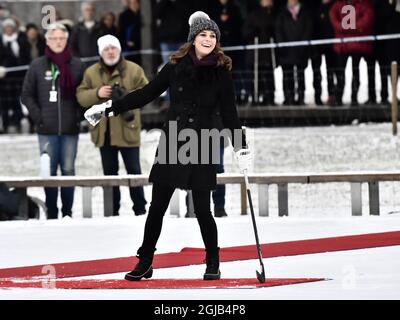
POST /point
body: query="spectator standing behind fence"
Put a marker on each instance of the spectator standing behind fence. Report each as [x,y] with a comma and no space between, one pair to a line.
[171,25]
[49,94]
[171,29]
[85,34]
[383,11]
[393,26]
[108,24]
[111,78]
[294,23]
[356,50]
[36,41]
[227,15]
[130,30]
[14,51]
[323,29]
[261,23]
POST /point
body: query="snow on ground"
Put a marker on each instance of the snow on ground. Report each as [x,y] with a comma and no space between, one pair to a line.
[316,211]
[357,274]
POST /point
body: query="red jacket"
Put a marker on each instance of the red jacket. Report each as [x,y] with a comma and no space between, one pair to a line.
[364,26]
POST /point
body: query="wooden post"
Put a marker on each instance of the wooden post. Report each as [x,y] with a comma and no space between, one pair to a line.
[373,188]
[263,200]
[283,200]
[108,198]
[87,202]
[256,75]
[356,199]
[394,98]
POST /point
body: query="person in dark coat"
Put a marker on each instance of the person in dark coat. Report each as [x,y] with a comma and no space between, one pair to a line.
[392,26]
[14,52]
[85,34]
[364,20]
[202,97]
[294,23]
[383,12]
[227,15]
[130,30]
[171,25]
[48,93]
[108,24]
[323,29]
[261,23]
[36,41]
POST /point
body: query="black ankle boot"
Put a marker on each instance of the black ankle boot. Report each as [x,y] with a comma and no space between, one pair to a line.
[143,268]
[212,270]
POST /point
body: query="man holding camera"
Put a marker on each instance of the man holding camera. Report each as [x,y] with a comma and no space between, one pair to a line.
[110,78]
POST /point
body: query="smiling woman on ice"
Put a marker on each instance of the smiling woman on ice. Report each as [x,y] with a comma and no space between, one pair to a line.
[202,97]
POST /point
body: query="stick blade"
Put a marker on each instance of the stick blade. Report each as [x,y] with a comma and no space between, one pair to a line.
[261,276]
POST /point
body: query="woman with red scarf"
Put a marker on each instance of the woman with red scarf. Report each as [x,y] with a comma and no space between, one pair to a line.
[49,94]
[202,97]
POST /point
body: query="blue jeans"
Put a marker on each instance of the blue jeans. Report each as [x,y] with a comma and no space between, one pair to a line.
[131,157]
[62,151]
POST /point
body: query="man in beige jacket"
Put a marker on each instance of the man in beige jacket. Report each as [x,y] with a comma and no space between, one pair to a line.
[110,78]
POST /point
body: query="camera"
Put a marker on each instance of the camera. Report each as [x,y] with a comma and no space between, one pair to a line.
[118,92]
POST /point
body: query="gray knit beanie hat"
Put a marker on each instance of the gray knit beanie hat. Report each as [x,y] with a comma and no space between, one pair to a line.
[200,21]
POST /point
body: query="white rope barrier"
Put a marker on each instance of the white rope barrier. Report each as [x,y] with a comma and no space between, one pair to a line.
[251,47]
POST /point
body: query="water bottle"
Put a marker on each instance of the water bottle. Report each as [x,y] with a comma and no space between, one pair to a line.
[45,163]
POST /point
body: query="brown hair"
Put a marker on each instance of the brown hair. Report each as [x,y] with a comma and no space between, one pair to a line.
[223,60]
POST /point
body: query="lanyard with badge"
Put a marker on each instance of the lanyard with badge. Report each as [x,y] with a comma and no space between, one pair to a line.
[53,91]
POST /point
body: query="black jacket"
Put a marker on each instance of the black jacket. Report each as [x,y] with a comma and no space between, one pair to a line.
[61,117]
[288,30]
[172,21]
[322,27]
[8,59]
[129,26]
[84,41]
[231,28]
[201,98]
[260,23]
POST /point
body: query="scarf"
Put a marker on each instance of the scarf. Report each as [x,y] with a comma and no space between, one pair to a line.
[210,60]
[12,40]
[67,81]
[294,10]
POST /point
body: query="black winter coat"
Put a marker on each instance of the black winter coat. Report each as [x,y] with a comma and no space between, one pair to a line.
[288,30]
[84,41]
[201,98]
[8,59]
[260,23]
[172,20]
[61,117]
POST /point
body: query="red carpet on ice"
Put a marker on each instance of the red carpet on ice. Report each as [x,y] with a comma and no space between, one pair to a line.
[192,256]
[152,284]
[24,277]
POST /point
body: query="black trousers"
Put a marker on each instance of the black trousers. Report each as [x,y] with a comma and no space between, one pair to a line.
[330,61]
[340,74]
[161,196]
[131,157]
[290,79]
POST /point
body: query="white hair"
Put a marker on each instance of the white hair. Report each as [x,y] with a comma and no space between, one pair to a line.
[56,26]
[86,4]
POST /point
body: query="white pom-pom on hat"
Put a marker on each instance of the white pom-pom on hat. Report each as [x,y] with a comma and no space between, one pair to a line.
[198,15]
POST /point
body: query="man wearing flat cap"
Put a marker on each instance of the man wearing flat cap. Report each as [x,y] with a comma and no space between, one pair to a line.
[111,78]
